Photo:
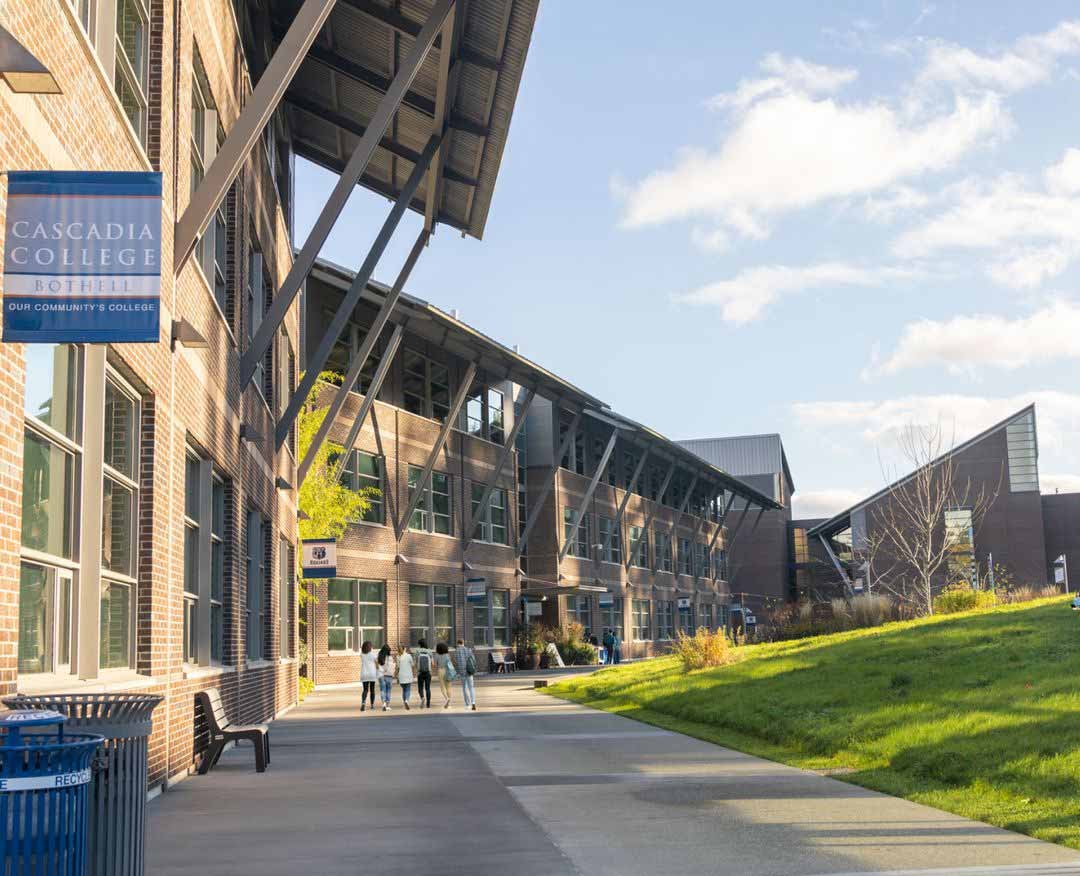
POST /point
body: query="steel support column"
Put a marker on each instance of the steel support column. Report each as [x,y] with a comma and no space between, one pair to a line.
[317,360]
[440,442]
[652,516]
[355,367]
[629,491]
[344,187]
[719,529]
[835,561]
[576,519]
[249,126]
[369,400]
[504,454]
[538,503]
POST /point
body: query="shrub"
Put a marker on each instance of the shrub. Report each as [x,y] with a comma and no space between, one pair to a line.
[1026,593]
[961,597]
[304,686]
[704,649]
[872,610]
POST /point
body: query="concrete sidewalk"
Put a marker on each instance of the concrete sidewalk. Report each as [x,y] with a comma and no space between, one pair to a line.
[533,785]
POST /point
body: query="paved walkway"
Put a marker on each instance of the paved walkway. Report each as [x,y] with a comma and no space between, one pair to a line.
[531,786]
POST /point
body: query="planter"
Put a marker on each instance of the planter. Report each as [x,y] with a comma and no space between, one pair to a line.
[531,661]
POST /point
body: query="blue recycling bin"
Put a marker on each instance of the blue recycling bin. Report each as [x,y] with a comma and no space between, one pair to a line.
[44,777]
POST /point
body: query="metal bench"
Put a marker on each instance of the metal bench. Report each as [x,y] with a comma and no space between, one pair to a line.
[499,662]
[223,731]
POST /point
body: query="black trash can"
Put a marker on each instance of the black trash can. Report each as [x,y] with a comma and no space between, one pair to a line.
[116,833]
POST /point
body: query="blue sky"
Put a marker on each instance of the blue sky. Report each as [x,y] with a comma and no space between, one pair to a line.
[822,220]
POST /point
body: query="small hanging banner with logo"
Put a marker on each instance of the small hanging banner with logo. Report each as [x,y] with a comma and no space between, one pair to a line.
[607,599]
[82,257]
[319,558]
[476,590]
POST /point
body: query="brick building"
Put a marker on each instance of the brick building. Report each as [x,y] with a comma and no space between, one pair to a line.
[148,517]
[593,516]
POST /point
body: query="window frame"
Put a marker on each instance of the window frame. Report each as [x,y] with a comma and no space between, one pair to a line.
[639,547]
[489,627]
[430,630]
[641,620]
[424,507]
[610,540]
[357,629]
[579,543]
[354,479]
[484,529]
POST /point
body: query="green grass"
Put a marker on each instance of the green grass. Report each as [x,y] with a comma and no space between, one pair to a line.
[975,713]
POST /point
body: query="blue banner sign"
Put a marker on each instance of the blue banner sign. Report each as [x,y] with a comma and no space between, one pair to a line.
[82,257]
[318,558]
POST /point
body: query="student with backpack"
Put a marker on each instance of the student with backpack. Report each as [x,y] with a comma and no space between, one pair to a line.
[425,662]
[465,664]
[444,665]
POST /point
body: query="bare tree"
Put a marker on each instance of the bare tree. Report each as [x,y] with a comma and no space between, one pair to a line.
[914,530]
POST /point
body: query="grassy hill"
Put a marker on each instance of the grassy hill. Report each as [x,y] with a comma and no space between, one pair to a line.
[976,713]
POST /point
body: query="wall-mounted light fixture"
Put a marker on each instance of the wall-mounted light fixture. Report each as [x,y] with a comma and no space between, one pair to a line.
[183,332]
[23,73]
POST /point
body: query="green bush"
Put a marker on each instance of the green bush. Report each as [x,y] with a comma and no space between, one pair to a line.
[304,687]
[961,597]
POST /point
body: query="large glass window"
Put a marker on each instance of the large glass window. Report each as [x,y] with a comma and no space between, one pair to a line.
[1023,452]
[641,620]
[48,500]
[192,550]
[431,614]
[665,619]
[639,547]
[610,541]
[492,525]
[217,570]
[483,414]
[579,540]
[719,563]
[286,564]
[356,613]
[365,471]
[802,552]
[701,559]
[426,386]
[491,620]
[433,512]
[611,615]
[686,619]
[960,541]
[579,608]
[45,628]
[132,61]
[257,533]
[346,348]
[686,566]
[664,559]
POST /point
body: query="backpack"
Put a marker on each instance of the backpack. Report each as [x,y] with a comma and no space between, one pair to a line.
[423,661]
[470,664]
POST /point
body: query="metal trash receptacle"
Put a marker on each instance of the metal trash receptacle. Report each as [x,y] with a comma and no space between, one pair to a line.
[116,844]
[44,792]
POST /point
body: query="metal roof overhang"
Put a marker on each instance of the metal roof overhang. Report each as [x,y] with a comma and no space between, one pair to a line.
[468,88]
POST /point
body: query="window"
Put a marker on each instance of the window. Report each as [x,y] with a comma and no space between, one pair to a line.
[579,541]
[1023,454]
[433,512]
[701,559]
[579,608]
[258,531]
[431,614]
[254,301]
[706,619]
[132,61]
[579,451]
[286,564]
[192,551]
[483,415]
[48,500]
[364,471]
[610,541]
[960,542]
[611,615]
[496,432]
[665,619]
[282,383]
[356,612]
[685,557]
[426,386]
[599,445]
[686,619]
[45,628]
[719,563]
[86,10]
[120,492]
[204,142]
[639,547]
[663,550]
[641,622]
[217,569]
[346,348]
[491,526]
[491,620]
[802,552]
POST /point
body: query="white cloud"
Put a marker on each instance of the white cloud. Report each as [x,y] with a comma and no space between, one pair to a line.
[824,503]
[961,417]
[744,297]
[888,205]
[788,75]
[1030,60]
[711,240]
[1059,483]
[789,151]
[964,344]
[1034,234]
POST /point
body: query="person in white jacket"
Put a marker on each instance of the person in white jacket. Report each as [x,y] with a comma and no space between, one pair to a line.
[369,674]
[387,670]
[406,675]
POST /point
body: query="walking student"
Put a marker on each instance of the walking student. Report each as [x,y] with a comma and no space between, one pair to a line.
[386,675]
[405,676]
[609,646]
[465,664]
[425,661]
[447,673]
[369,674]
[616,647]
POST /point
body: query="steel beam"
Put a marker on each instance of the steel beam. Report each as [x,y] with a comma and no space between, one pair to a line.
[835,561]
[504,455]
[352,297]
[369,398]
[249,126]
[440,442]
[534,514]
[358,362]
[629,491]
[652,515]
[351,174]
[579,513]
[719,529]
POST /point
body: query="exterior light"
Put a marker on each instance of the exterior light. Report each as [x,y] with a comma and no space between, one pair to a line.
[250,434]
[23,73]
[183,332]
